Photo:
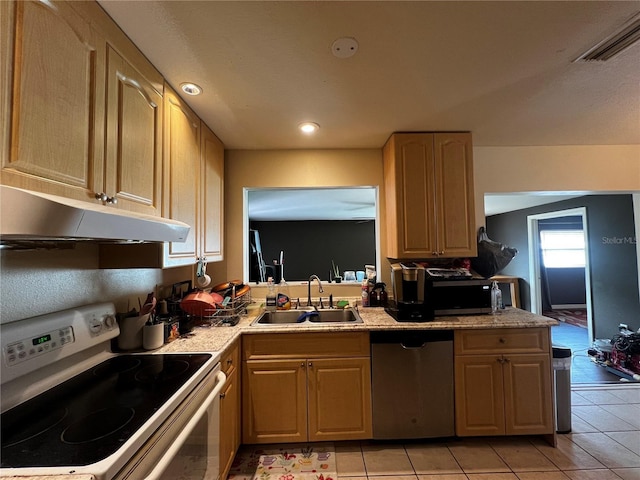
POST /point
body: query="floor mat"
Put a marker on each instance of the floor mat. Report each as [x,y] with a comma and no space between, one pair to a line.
[285,462]
[572,316]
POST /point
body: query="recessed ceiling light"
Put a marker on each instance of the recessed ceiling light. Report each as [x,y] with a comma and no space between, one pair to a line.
[191,88]
[308,127]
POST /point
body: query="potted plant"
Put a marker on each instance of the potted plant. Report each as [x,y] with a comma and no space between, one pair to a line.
[336,273]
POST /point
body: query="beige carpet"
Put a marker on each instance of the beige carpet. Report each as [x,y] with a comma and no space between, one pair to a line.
[314,461]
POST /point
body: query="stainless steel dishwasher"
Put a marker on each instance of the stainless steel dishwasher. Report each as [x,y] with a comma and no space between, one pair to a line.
[412,384]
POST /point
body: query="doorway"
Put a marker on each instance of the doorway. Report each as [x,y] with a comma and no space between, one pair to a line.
[536,265]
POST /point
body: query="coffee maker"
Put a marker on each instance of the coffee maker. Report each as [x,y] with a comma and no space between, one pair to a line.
[410,293]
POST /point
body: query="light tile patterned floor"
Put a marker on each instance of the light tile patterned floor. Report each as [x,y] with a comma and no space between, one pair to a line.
[604,445]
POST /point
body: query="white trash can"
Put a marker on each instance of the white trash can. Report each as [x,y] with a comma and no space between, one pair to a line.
[562,383]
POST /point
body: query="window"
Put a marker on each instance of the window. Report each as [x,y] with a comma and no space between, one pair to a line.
[563,248]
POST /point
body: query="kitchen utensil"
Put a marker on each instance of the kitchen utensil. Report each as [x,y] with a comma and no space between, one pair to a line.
[149,304]
[201,304]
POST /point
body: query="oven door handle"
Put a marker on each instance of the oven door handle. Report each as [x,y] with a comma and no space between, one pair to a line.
[171,452]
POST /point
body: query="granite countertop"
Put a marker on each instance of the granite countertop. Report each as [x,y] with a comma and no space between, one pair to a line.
[217,339]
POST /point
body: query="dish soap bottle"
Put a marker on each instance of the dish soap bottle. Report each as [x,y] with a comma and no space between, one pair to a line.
[271,295]
[496,298]
[283,301]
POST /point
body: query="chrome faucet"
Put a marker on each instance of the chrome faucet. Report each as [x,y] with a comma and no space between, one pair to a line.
[312,277]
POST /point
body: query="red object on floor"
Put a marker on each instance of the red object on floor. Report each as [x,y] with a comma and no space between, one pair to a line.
[625,361]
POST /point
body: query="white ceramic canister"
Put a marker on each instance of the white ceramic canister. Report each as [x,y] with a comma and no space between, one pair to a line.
[153,336]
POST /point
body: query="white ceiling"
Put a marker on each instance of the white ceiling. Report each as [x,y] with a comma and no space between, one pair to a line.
[502,70]
[495,204]
[312,204]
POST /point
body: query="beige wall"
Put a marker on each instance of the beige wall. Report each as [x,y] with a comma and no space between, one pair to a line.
[293,168]
[597,168]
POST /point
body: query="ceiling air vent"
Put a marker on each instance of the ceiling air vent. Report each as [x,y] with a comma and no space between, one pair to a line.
[614,44]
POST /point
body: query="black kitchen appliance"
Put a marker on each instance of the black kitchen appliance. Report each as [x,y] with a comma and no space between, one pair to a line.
[410,293]
[420,293]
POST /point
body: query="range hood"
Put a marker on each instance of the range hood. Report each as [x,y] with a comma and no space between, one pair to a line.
[31,218]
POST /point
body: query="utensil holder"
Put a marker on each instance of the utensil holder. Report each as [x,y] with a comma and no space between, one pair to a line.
[153,336]
[130,337]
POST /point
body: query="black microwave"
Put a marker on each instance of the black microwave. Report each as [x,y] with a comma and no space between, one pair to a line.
[459,297]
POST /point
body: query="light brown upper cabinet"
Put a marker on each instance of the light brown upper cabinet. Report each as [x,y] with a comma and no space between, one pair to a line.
[134,137]
[181,167]
[83,105]
[53,62]
[429,195]
[211,195]
[193,183]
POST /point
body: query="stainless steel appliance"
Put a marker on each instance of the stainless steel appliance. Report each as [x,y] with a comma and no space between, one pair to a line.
[31,218]
[460,296]
[412,384]
[69,405]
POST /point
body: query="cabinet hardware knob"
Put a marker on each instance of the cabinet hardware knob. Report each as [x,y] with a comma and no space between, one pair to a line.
[103,197]
[502,340]
[229,361]
[112,200]
[311,364]
[222,395]
[302,364]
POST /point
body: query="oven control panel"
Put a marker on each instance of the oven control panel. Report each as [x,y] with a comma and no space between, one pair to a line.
[31,347]
[67,337]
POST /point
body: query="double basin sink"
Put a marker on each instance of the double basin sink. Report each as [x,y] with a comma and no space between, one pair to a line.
[308,316]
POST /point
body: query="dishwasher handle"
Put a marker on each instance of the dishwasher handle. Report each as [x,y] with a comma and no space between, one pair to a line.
[408,346]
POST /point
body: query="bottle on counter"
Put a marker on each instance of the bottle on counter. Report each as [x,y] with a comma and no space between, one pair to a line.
[496,298]
[365,293]
[283,300]
[271,303]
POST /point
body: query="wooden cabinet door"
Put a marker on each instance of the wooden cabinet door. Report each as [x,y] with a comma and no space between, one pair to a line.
[429,195]
[454,198]
[274,401]
[230,434]
[55,97]
[229,422]
[339,399]
[181,175]
[409,177]
[527,394]
[134,138]
[479,397]
[212,196]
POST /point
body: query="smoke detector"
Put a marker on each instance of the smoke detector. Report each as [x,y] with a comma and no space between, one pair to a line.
[344,47]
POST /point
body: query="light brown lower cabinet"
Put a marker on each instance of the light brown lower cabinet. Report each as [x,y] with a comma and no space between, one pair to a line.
[306,387]
[230,409]
[503,382]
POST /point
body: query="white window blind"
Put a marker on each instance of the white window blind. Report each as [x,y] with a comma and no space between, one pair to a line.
[562,248]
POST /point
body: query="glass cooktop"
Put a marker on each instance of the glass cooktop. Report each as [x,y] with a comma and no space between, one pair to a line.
[88,417]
